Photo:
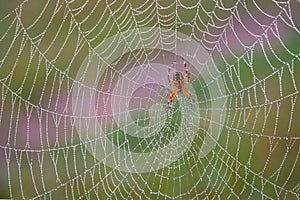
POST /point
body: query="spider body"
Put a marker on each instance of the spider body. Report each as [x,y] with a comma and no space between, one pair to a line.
[178,80]
[178,84]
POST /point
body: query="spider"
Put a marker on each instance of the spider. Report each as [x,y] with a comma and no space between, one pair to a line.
[178,84]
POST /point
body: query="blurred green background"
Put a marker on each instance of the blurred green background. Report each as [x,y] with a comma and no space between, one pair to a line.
[255,46]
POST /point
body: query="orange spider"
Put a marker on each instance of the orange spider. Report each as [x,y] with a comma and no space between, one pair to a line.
[178,84]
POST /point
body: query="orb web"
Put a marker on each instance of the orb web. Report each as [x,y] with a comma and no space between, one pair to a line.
[84,88]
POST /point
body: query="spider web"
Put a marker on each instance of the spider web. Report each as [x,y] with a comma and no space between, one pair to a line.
[84,90]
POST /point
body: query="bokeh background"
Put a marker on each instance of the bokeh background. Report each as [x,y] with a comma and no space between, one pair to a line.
[255,47]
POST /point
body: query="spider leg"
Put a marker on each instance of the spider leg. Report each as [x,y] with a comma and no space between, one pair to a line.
[187,73]
[188,94]
[169,72]
[171,98]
